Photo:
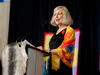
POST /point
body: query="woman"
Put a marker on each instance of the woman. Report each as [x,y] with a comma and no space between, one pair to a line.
[62,42]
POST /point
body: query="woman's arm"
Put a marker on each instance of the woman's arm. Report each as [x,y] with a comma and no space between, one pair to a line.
[52,51]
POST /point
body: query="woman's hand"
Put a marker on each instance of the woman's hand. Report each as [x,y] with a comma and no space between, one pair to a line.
[40,47]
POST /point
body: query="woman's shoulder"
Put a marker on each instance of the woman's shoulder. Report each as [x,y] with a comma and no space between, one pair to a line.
[69,28]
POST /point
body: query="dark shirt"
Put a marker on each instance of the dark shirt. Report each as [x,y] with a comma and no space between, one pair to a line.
[56,40]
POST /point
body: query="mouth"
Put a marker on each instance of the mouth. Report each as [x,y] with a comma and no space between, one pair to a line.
[57,20]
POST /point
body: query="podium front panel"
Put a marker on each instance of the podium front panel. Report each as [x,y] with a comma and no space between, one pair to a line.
[35,62]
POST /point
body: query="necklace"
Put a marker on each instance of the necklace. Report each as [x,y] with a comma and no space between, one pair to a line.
[59,30]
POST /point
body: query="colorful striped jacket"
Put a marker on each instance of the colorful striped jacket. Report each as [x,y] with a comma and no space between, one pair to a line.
[65,51]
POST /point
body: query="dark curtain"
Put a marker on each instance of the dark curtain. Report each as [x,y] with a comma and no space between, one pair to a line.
[27,15]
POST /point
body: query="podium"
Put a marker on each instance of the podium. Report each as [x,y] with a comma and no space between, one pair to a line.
[35,61]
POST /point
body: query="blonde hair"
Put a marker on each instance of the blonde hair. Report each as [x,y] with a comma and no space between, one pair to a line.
[67,20]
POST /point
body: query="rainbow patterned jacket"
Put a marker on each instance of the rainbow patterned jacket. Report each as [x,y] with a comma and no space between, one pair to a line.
[65,51]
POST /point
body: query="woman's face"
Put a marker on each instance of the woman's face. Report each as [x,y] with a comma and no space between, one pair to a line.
[58,15]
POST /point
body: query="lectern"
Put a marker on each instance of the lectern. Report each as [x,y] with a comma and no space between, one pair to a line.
[35,60]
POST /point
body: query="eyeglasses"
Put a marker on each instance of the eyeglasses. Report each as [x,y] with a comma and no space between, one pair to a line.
[58,14]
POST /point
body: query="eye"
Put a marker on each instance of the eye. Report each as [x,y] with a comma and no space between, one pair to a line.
[19,45]
[54,14]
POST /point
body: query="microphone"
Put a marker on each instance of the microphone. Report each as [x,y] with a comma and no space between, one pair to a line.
[30,32]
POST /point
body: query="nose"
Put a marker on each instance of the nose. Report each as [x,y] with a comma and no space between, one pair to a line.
[56,16]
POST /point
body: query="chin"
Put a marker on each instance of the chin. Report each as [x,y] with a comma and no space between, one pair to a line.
[58,23]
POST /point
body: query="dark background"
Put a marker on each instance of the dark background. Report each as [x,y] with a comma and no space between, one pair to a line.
[27,15]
